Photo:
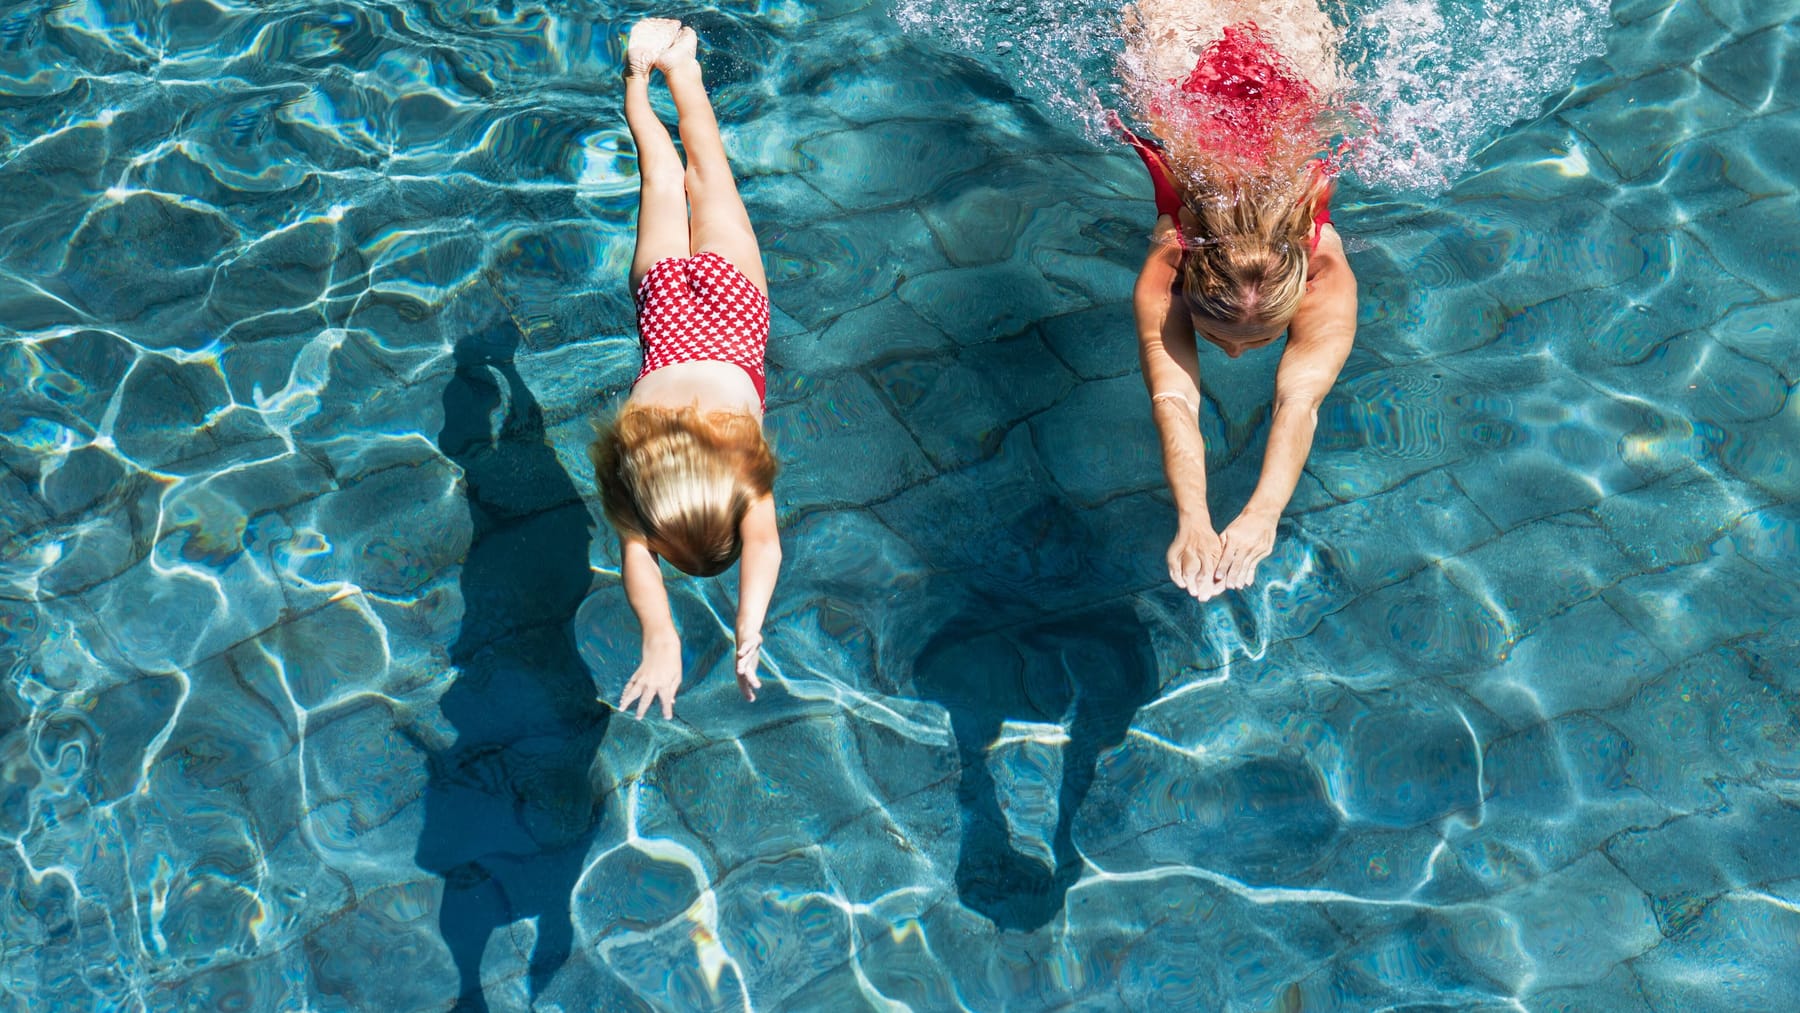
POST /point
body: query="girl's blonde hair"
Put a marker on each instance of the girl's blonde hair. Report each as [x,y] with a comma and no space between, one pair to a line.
[683,480]
[1245,274]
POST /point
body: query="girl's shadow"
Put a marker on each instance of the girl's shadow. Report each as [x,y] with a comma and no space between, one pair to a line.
[512,805]
[1089,671]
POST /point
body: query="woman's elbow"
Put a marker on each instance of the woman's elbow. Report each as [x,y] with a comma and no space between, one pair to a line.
[1299,406]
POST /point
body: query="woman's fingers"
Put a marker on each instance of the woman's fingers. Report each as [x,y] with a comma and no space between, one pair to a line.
[667,694]
[1191,567]
[1243,566]
[1206,585]
[1237,564]
[1228,563]
[1253,561]
[1193,573]
[1228,554]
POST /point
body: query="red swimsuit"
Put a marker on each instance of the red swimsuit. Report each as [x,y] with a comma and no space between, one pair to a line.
[701,308]
[1243,95]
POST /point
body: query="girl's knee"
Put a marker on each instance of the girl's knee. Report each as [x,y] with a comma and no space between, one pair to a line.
[666,179]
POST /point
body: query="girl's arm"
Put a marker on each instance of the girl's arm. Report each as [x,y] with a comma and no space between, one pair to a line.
[1319,340]
[757,569]
[658,675]
[1171,371]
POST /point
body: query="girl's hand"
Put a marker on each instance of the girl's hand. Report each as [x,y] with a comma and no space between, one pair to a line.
[1193,559]
[657,677]
[749,656]
[1246,543]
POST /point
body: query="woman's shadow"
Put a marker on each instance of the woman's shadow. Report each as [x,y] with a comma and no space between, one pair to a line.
[1089,671]
[512,805]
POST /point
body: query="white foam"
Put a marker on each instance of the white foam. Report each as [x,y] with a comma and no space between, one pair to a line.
[1438,78]
[1442,76]
[1058,51]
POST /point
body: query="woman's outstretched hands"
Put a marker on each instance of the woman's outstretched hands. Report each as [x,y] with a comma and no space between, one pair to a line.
[657,677]
[1194,560]
[1246,542]
[749,656]
[1204,564]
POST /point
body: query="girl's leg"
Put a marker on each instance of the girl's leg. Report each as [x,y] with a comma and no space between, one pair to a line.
[719,224]
[662,228]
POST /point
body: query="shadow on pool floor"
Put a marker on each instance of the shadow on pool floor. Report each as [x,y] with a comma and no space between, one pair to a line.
[511,807]
[1088,671]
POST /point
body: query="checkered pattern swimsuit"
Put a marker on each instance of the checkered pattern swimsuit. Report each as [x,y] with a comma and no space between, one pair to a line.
[702,308]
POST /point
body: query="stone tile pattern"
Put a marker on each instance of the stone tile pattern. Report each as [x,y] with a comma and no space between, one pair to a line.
[299,371]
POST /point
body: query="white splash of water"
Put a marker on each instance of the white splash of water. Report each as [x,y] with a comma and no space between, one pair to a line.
[1436,78]
[1060,52]
[1440,77]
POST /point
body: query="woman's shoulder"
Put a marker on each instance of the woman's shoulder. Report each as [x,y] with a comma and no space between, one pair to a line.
[1328,263]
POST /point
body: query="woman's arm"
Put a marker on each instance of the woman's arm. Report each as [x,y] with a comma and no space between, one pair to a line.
[1319,340]
[757,569]
[658,675]
[1171,371]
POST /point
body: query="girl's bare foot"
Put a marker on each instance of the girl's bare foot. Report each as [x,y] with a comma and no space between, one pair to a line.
[683,50]
[649,40]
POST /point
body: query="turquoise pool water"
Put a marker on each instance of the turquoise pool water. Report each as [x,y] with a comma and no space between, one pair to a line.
[303,606]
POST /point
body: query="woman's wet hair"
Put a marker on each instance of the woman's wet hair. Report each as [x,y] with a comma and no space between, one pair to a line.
[682,481]
[1246,273]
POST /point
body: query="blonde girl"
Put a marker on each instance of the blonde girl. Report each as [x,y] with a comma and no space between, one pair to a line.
[685,473]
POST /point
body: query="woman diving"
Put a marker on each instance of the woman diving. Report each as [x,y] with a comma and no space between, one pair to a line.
[1244,249]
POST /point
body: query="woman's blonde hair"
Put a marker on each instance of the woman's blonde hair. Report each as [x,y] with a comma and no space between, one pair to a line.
[1245,274]
[682,480]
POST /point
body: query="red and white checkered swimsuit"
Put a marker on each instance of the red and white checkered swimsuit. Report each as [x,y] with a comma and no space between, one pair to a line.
[702,308]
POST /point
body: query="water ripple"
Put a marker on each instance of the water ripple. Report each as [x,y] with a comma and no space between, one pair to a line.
[304,310]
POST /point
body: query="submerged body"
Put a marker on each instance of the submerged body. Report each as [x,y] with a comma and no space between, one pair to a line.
[1240,95]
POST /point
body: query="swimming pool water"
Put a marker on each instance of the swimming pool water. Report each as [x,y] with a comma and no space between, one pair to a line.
[304,599]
